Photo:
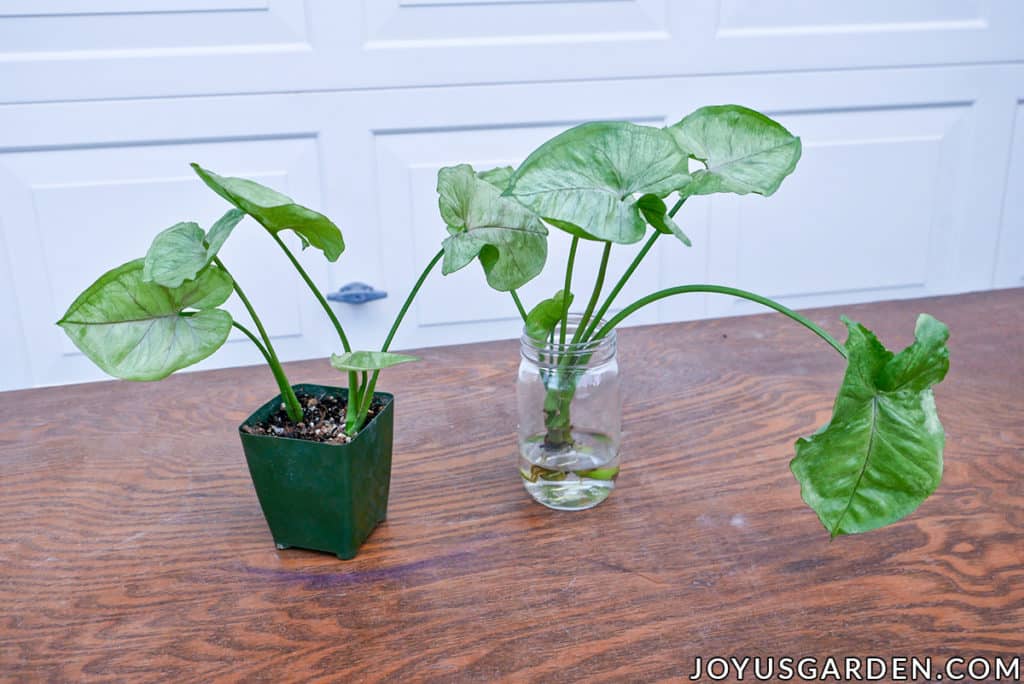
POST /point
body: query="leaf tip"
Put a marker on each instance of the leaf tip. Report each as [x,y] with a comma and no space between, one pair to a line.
[927,323]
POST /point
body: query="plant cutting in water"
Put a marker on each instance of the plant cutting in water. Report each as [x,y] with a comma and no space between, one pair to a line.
[153,316]
[607,183]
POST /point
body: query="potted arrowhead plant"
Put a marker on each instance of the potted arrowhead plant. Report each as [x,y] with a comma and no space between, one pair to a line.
[606,184]
[319,456]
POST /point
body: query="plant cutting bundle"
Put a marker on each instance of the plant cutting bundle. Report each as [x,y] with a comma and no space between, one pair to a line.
[606,184]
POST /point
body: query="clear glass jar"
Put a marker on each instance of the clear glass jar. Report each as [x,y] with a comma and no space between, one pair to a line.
[570,420]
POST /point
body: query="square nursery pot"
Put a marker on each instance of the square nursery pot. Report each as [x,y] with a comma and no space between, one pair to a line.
[324,497]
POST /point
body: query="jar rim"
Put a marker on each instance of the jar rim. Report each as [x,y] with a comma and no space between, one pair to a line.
[586,353]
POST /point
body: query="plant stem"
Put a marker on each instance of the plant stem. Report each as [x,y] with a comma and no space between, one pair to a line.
[352,407]
[620,284]
[255,340]
[720,289]
[408,300]
[595,295]
[629,273]
[279,377]
[567,290]
[558,402]
[353,382]
[291,403]
[316,292]
[519,304]
[368,394]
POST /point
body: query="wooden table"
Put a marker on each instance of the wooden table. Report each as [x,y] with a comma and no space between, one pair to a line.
[132,546]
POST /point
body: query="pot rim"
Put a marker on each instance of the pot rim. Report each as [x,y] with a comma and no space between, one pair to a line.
[387,397]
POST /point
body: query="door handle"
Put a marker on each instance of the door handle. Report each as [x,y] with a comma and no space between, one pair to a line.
[356,293]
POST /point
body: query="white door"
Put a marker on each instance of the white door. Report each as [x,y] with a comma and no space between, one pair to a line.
[909,113]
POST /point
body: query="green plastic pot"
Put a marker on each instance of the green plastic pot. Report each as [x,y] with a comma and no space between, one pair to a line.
[324,497]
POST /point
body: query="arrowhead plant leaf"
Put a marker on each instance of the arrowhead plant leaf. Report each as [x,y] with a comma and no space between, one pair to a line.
[180,252]
[138,330]
[368,360]
[881,454]
[656,213]
[175,255]
[542,318]
[277,212]
[499,177]
[510,241]
[587,180]
[221,230]
[743,150]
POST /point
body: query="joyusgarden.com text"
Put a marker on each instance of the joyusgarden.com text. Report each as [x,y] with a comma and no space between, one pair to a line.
[855,669]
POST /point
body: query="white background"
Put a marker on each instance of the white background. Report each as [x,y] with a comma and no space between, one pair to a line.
[910,184]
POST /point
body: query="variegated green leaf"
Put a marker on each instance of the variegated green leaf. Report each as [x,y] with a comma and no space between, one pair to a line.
[138,330]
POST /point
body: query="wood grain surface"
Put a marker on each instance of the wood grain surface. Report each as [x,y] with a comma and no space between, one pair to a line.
[132,547]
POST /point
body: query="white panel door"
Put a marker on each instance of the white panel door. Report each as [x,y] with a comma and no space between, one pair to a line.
[97,49]
[894,196]
[85,187]
[806,34]
[910,114]
[1010,265]
[14,365]
[898,192]
[91,49]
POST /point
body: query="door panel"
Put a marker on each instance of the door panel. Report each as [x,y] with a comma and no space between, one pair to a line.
[97,196]
[902,192]
[98,49]
[1010,255]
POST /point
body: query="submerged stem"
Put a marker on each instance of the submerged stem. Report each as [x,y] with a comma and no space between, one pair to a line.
[721,289]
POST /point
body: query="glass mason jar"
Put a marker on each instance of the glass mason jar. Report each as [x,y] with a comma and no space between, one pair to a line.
[570,420]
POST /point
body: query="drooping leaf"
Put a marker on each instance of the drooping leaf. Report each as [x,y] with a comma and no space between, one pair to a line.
[180,252]
[656,213]
[922,364]
[744,151]
[277,212]
[368,360]
[881,454]
[136,330]
[510,241]
[543,318]
[587,179]
[499,176]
